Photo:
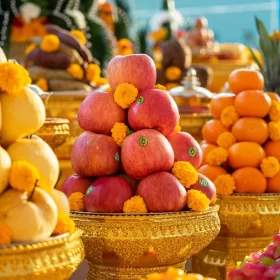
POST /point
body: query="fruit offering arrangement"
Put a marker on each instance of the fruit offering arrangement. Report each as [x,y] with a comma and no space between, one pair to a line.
[30,208]
[176,274]
[262,265]
[60,61]
[241,147]
[132,157]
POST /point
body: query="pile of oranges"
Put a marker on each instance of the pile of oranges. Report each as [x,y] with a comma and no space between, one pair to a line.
[242,141]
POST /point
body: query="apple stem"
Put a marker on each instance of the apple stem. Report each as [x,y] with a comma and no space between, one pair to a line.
[31,195]
[59,176]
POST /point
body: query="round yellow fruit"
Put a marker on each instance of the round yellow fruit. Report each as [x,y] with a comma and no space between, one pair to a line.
[61,201]
[5,165]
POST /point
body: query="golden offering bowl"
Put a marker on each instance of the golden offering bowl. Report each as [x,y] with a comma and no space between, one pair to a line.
[249,215]
[54,131]
[53,259]
[132,246]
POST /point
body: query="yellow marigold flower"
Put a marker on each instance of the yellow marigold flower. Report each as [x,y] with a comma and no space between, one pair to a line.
[135,205]
[274,130]
[229,116]
[270,166]
[119,133]
[177,128]
[217,156]
[226,139]
[159,35]
[171,85]
[76,201]
[23,176]
[125,94]
[30,48]
[76,71]
[109,90]
[93,72]
[158,65]
[125,47]
[79,35]
[50,43]
[159,86]
[197,201]
[64,224]
[42,84]
[5,234]
[173,73]
[13,77]
[185,173]
[101,82]
[224,184]
[274,112]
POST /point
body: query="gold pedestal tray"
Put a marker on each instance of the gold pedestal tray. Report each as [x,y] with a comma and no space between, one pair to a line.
[53,259]
[132,246]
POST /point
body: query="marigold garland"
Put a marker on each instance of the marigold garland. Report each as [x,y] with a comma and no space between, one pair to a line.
[119,133]
[5,234]
[42,84]
[23,176]
[76,71]
[76,201]
[177,128]
[274,112]
[93,72]
[50,43]
[217,156]
[173,73]
[135,205]
[161,87]
[125,94]
[274,130]
[229,116]
[224,184]
[270,167]
[30,48]
[64,224]
[225,140]
[13,77]
[185,173]
[197,201]
[79,35]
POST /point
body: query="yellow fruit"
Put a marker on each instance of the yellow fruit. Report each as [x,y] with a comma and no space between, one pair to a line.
[38,153]
[23,113]
[30,219]
[5,165]
[61,201]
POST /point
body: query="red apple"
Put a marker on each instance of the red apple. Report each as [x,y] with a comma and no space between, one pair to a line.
[185,148]
[162,192]
[154,109]
[206,186]
[75,183]
[132,182]
[99,112]
[107,195]
[95,155]
[145,152]
[136,69]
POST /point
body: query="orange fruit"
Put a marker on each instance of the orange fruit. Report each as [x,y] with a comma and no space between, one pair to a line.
[273,185]
[272,149]
[249,180]
[273,96]
[252,103]
[206,148]
[212,129]
[220,102]
[250,129]
[245,79]
[245,154]
[211,171]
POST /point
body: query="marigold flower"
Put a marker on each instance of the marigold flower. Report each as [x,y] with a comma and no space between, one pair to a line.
[13,77]
[274,130]
[185,173]
[159,35]
[50,43]
[109,90]
[177,128]
[76,71]
[101,82]
[23,176]
[79,35]
[224,184]
[197,201]
[159,86]
[173,73]
[42,84]
[119,133]
[64,224]
[229,116]
[171,85]
[93,72]
[158,65]
[135,205]
[5,234]
[270,167]
[76,201]
[274,112]
[125,94]
[125,47]
[217,156]
[30,48]
[226,139]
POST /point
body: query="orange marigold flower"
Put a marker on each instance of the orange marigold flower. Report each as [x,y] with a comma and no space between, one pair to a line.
[93,72]
[101,82]
[159,35]
[159,86]
[270,166]
[229,116]
[224,184]
[64,224]
[177,128]
[225,139]
[158,65]
[42,84]
[125,94]
[76,71]
[119,133]
[5,234]
[135,205]
[274,130]
[79,35]
[217,156]
[30,48]
[274,112]
[76,201]
[185,173]
[109,90]
[197,201]
[50,43]
[173,73]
